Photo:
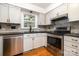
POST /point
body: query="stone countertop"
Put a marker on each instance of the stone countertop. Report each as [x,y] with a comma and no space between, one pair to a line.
[23,32]
[72,34]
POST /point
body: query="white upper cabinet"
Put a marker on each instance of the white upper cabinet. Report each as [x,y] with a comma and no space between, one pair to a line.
[48,18]
[9,13]
[4,12]
[41,20]
[14,14]
[73,12]
[60,10]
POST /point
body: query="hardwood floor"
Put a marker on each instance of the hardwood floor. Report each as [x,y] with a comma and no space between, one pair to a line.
[37,52]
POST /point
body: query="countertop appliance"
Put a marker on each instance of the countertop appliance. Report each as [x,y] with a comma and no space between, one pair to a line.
[12,44]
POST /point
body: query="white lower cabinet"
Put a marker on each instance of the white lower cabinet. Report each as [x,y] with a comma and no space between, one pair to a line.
[32,41]
[71,46]
[1,46]
[28,43]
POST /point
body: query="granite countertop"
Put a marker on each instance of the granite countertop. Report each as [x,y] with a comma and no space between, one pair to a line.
[19,32]
[23,32]
[73,34]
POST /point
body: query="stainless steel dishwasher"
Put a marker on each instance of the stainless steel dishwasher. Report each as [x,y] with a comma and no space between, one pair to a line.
[12,44]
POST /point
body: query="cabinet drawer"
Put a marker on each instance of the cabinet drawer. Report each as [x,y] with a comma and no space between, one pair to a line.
[66,53]
[36,45]
[41,34]
[71,51]
[29,35]
[72,39]
[71,44]
[75,39]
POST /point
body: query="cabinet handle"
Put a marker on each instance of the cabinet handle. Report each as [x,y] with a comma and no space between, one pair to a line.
[32,38]
[74,46]
[8,20]
[74,40]
[75,52]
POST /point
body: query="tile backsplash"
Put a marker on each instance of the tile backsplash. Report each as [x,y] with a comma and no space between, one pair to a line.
[74,27]
[8,26]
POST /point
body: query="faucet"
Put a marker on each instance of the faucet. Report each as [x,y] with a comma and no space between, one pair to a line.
[30,28]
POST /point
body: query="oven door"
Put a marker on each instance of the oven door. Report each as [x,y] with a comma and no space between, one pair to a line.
[56,42]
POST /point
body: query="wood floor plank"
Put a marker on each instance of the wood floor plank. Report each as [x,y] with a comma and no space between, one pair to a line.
[37,52]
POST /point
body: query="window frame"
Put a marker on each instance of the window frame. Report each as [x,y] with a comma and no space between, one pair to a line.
[22,20]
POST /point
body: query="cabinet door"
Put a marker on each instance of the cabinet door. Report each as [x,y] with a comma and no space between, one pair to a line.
[73,12]
[48,18]
[44,41]
[37,42]
[3,12]
[63,9]
[40,40]
[28,43]
[1,45]
[14,14]
[41,20]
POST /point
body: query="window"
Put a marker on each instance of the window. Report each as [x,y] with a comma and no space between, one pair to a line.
[29,20]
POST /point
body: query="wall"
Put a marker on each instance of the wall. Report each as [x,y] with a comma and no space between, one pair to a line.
[40,18]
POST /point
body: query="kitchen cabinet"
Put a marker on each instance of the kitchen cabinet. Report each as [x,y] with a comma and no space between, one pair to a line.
[14,14]
[4,12]
[73,12]
[32,41]
[40,40]
[41,19]
[71,46]
[60,10]
[48,18]
[28,43]
[1,46]
[9,13]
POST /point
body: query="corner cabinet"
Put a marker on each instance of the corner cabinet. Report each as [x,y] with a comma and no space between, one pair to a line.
[73,12]
[35,40]
[9,13]
[41,19]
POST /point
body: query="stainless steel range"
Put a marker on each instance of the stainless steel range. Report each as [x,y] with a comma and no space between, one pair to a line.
[56,41]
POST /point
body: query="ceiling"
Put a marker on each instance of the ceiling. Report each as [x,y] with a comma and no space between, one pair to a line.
[42,5]
[38,7]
